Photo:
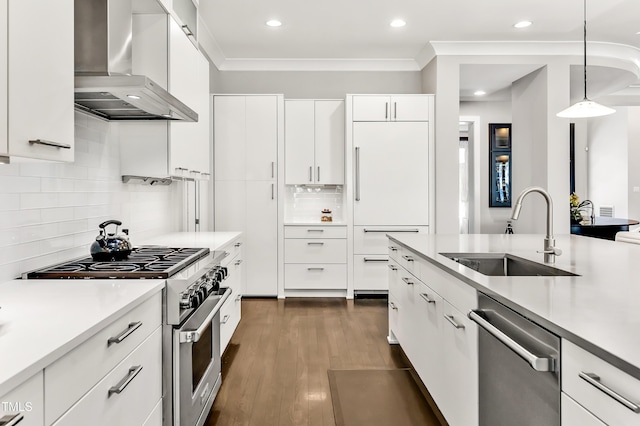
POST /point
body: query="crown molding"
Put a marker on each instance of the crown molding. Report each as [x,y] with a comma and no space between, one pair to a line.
[318,64]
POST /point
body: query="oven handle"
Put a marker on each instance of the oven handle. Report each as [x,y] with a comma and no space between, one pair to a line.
[192,336]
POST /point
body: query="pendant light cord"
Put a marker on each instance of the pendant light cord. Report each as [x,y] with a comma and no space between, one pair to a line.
[585,49]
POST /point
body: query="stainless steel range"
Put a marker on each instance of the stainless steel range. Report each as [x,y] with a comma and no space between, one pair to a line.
[192,300]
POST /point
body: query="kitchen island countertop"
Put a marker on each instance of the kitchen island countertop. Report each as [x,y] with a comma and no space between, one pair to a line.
[598,310]
[210,240]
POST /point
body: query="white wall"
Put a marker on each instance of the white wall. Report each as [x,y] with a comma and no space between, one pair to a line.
[608,161]
[49,212]
[633,114]
[491,220]
[315,84]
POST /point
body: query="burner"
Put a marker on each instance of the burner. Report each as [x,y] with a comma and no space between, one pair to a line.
[154,251]
[158,266]
[114,266]
[135,258]
[69,267]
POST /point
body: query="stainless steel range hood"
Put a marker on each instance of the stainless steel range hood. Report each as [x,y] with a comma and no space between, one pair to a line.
[104,85]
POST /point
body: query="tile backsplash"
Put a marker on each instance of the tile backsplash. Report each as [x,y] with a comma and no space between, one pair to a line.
[305,203]
[49,212]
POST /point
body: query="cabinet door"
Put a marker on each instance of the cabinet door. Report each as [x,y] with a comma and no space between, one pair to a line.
[370,272]
[329,142]
[410,108]
[40,94]
[261,138]
[298,142]
[26,400]
[229,136]
[4,53]
[230,205]
[261,239]
[460,348]
[391,174]
[371,108]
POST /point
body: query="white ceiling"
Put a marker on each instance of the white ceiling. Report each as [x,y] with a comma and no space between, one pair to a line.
[359,30]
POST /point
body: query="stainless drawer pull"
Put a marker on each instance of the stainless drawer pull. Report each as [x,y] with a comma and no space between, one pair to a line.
[393,306]
[133,326]
[239,298]
[315,269]
[187,31]
[11,419]
[386,110]
[536,362]
[315,230]
[310,173]
[237,245]
[453,321]
[357,173]
[395,110]
[238,262]
[182,169]
[374,259]
[318,176]
[594,380]
[315,244]
[133,372]
[392,248]
[414,230]
[426,297]
[273,174]
[225,319]
[393,267]
[50,143]
[407,258]
[408,281]
[273,196]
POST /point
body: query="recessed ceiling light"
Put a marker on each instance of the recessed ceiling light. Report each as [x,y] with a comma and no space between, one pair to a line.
[522,24]
[397,23]
[274,23]
[479,93]
[133,96]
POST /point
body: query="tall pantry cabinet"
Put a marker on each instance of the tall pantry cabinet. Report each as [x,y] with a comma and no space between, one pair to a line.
[247,132]
[390,143]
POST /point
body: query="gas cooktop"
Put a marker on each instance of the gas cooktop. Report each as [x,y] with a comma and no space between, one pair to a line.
[143,262]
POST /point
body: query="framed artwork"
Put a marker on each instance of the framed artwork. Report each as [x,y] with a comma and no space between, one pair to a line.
[500,165]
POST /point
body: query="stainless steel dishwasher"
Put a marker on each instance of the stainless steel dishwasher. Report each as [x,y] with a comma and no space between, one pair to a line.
[519,368]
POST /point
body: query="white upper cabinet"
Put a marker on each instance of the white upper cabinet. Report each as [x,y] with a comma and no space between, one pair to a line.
[299,141]
[314,142]
[390,108]
[36,79]
[163,52]
[261,147]
[229,135]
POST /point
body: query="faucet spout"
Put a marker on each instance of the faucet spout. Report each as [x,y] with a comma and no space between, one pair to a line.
[549,250]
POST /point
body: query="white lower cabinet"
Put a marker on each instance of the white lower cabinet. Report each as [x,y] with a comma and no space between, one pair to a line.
[24,405]
[127,394]
[607,392]
[574,414]
[370,248]
[434,332]
[315,258]
[231,311]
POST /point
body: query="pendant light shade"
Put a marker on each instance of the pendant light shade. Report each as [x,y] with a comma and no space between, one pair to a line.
[585,108]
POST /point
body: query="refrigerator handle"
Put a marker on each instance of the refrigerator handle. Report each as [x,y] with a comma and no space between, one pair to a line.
[357,173]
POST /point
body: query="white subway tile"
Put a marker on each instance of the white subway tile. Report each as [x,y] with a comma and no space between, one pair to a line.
[40,200]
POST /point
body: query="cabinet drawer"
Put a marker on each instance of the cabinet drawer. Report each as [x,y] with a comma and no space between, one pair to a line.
[577,361]
[315,250]
[315,232]
[234,249]
[155,418]
[407,259]
[229,319]
[315,277]
[26,400]
[462,296]
[103,406]
[373,239]
[370,272]
[394,319]
[574,414]
[74,374]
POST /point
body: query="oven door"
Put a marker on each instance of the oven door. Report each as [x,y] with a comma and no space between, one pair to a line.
[197,364]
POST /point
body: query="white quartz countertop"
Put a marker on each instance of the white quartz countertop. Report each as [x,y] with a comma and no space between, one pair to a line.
[41,320]
[598,310]
[211,240]
[316,223]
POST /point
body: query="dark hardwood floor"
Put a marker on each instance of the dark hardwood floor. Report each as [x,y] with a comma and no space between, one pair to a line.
[275,367]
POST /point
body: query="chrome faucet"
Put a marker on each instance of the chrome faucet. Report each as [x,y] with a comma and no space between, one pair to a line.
[550,252]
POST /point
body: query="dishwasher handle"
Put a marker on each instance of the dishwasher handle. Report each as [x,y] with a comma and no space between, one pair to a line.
[536,362]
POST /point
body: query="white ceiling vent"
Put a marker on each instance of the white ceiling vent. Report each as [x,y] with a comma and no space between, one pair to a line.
[606,211]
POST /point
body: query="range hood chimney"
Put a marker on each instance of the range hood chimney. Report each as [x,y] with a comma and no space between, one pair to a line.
[104,85]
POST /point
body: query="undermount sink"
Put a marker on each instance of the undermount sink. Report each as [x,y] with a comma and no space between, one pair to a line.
[505,265]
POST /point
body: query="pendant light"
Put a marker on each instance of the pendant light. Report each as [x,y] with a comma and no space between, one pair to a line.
[585,108]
